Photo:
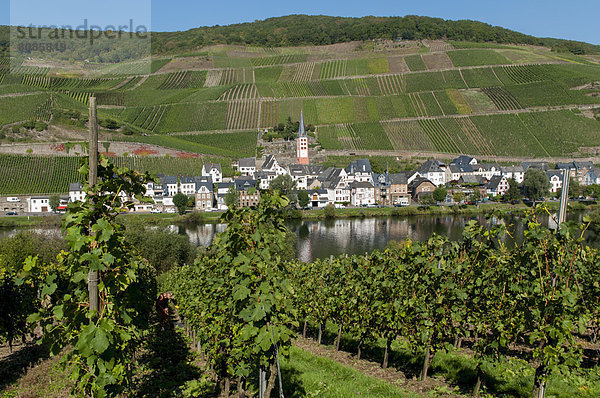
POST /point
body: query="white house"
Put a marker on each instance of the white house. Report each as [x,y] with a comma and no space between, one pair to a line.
[301,173]
[187,186]
[213,170]
[170,185]
[556,179]
[154,189]
[487,170]
[360,170]
[338,190]
[39,204]
[497,186]
[434,171]
[317,198]
[247,167]
[464,159]
[362,193]
[270,165]
[204,194]
[515,172]
[459,170]
[264,179]
[76,192]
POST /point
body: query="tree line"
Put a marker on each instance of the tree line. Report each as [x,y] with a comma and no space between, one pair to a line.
[296,30]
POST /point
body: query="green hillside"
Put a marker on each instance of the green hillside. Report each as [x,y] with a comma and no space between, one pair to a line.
[443,96]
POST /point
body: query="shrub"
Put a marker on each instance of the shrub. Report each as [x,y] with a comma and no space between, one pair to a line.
[109,124]
[40,126]
[29,125]
[329,211]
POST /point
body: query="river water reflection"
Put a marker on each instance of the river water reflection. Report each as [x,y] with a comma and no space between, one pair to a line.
[322,238]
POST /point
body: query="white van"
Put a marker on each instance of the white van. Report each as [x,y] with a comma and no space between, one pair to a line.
[13,199]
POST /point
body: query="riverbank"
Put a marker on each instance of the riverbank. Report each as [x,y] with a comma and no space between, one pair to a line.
[406,211]
[197,218]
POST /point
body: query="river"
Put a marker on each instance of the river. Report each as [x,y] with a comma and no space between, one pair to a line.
[322,238]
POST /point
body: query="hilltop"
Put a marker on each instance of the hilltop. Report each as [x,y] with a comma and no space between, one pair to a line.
[311,30]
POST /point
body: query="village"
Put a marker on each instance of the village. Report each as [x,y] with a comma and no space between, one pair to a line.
[464,180]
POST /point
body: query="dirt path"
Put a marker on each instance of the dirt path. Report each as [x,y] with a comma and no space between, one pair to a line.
[114,149]
[404,154]
[22,94]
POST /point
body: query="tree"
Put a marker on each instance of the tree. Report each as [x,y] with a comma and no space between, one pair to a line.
[181,202]
[285,185]
[231,197]
[54,202]
[592,191]
[439,194]
[303,198]
[536,184]
[476,195]
[427,200]
[574,188]
[513,193]
[458,196]
[329,211]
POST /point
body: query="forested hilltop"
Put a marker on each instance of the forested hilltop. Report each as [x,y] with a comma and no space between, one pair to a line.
[296,30]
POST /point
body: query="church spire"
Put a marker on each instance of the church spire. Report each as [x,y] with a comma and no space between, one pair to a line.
[301,130]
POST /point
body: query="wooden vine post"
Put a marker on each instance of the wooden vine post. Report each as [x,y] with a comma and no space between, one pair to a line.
[93,179]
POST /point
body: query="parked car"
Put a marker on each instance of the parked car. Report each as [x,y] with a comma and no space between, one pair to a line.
[11,213]
[155,211]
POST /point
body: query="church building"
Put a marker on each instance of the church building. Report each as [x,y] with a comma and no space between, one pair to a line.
[302,142]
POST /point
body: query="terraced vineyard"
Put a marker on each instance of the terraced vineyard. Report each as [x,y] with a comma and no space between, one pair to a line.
[441,139]
[502,98]
[37,174]
[408,135]
[413,97]
[242,115]
[52,174]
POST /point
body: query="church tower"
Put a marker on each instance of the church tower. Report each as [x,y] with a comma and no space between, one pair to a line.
[302,142]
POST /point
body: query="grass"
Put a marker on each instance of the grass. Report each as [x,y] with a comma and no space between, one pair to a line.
[511,377]
[429,81]
[548,94]
[372,136]
[193,117]
[477,101]
[308,375]
[459,102]
[335,110]
[268,74]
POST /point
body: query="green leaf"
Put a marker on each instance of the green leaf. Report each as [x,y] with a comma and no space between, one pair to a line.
[100,342]
[240,292]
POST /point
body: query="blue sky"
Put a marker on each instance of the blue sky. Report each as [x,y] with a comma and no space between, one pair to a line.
[575,19]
